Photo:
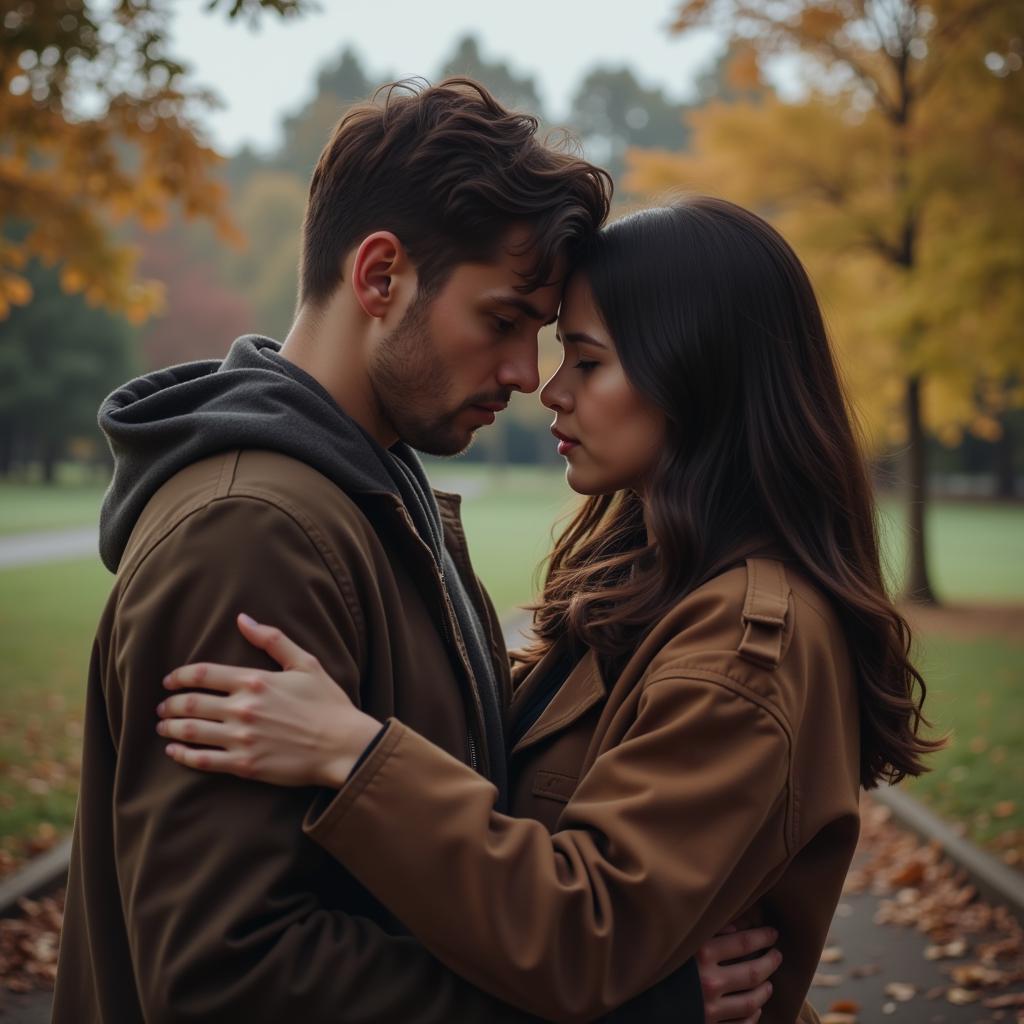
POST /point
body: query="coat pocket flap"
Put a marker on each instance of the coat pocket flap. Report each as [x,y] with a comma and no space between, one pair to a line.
[554,785]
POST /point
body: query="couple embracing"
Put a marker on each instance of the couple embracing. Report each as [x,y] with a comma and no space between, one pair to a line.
[316,786]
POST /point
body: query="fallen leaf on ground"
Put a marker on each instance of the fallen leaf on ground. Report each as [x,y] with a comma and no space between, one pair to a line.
[962,996]
[826,980]
[977,976]
[911,874]
[28,945]
[901,991]
[948,951]
[865,971]
[1001,1002]
[845,1006]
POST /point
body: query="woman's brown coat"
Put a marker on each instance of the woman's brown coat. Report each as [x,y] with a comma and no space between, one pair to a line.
[716,779]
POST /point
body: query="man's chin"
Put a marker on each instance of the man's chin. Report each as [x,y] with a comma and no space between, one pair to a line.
[452,441]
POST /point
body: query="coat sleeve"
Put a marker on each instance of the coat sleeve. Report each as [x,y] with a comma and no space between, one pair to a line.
[231,913]
[667,838]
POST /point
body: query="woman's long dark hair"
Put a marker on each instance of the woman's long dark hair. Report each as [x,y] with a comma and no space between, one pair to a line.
[716,323]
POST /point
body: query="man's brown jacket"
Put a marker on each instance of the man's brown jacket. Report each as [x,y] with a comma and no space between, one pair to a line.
[196,897]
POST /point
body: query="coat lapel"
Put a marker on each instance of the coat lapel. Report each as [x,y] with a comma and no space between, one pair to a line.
[582,689]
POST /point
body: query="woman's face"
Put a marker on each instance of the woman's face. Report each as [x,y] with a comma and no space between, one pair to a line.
[609,434]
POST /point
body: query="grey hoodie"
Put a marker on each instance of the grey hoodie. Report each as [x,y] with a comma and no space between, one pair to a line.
[162,422]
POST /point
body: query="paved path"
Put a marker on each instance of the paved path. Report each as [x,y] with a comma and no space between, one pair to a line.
[48,546]
[897,954]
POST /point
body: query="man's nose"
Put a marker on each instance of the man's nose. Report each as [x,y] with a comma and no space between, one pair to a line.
[520,371]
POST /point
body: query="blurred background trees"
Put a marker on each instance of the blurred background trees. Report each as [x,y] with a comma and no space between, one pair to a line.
[894,176]
[893,166]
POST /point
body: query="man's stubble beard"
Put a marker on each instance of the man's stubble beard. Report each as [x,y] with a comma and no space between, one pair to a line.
[412,387]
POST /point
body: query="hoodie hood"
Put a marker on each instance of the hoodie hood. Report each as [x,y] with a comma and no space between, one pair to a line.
[162,422]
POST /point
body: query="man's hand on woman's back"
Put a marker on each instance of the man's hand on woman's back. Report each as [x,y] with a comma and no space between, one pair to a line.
[736,988]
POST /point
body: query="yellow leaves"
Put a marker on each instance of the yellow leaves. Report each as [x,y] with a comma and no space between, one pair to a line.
[152,217]
[744,70]
[144,301]
[72,280]
[820,23]
[15,290]
[986,427]
[913,232]
[72,182]
[690,14]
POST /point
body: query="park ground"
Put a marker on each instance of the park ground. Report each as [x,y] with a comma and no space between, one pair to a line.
[971,651]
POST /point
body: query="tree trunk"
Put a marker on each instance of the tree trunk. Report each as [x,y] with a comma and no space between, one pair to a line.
[917,587]
[49,458]
[1003,461]
[6,449]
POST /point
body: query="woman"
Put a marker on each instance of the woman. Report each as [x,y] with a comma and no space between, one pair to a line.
[716,667]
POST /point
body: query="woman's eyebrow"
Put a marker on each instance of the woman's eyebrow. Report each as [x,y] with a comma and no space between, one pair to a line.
[580,337]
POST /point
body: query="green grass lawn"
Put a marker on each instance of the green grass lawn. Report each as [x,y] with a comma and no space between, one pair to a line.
[976,550]
[47,618]
[26,507]
[48,614]
[976,692]
[508,526]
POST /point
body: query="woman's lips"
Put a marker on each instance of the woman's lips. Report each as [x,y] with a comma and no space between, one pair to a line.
[565,443]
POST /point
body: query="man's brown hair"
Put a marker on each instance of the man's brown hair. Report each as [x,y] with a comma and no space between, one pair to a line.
[449,170]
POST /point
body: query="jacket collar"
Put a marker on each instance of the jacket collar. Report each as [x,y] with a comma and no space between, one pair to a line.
[582,689]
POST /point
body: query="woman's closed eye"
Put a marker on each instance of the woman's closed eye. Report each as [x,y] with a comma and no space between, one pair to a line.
[586,365]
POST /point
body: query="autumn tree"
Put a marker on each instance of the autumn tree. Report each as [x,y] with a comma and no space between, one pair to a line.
[58,359]
[98,129]
[203,314]
[339,84]
[612,111]
[897,178]
[513,89]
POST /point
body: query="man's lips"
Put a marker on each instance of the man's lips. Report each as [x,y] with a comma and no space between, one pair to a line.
[491,406]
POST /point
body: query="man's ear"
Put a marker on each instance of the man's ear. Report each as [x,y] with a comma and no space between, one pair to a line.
[383,276]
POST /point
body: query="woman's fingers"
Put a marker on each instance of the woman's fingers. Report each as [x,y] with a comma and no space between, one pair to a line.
[196,705]
[738,944]
[230,762]
[224,678]
[284,651]
[199,730]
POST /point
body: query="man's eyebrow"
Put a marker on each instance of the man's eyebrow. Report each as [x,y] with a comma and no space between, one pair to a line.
[580,338]
[530,310]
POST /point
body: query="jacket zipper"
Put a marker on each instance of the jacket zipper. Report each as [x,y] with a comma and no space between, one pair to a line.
[451,636]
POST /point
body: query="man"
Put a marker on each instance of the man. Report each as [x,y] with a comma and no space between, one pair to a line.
[282,482]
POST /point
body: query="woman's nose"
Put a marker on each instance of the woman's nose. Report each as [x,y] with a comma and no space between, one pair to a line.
[555,397]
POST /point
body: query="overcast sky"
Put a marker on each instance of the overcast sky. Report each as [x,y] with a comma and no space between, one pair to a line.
[264,73]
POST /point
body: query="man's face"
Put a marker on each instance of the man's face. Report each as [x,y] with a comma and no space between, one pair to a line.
[454,360]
